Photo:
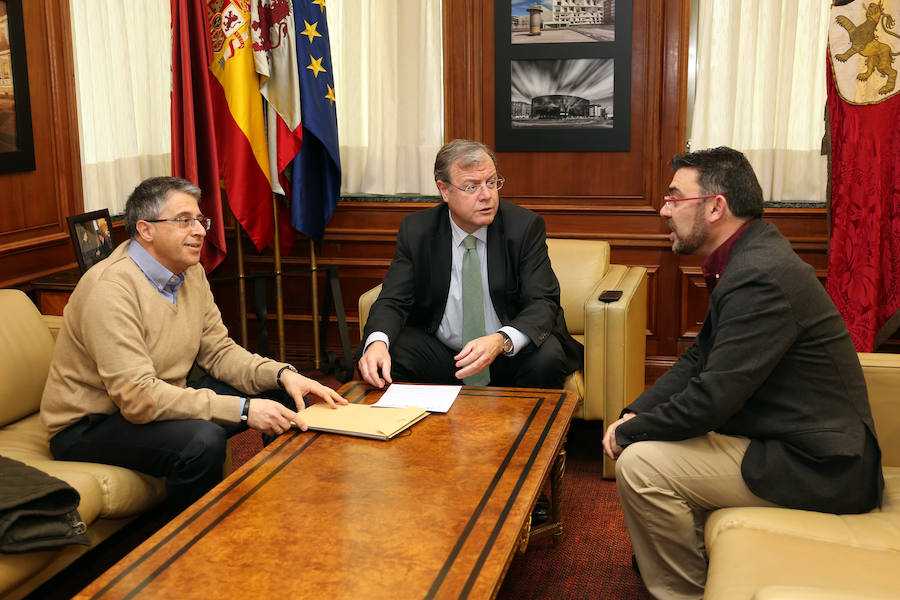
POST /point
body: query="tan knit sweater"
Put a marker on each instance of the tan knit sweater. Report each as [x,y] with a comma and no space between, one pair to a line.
[124,347]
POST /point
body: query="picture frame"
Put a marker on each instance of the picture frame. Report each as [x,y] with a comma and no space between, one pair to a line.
[91,235]
[562,76]
[16,139]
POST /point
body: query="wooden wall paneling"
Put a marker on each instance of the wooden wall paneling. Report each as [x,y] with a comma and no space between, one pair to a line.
[33,233]
[611,196]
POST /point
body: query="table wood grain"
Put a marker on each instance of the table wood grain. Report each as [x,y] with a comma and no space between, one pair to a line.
[434,513]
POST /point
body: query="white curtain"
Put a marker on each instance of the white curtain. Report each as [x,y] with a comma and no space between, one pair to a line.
[388,84]
[123,58]
[761,89]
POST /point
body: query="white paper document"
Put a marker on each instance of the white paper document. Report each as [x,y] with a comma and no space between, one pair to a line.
[433,398]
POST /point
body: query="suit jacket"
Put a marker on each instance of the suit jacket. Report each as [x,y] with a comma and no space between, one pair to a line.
[523,288]
[773,362]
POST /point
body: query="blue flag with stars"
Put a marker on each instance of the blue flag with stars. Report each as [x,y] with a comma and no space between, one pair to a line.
[316,170]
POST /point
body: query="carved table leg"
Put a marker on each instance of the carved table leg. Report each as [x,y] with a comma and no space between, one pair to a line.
[556,482]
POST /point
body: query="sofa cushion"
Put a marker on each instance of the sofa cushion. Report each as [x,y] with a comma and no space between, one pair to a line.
[877,530]
[26,348]
[121,492]
[579,265]
[882,373]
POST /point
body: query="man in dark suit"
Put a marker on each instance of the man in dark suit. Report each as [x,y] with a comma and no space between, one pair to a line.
[506,327]
[767,408]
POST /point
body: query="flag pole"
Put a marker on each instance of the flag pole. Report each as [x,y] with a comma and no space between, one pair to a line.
[279,297]
[242,283]
[315,303]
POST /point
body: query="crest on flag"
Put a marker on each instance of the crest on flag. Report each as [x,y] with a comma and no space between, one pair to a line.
[862,44]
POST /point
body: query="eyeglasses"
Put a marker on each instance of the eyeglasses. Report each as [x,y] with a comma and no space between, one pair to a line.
[474,188]
[669,201]
[185,222]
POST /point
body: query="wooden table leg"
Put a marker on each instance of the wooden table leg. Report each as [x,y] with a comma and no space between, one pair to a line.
[554,526]
[556,483]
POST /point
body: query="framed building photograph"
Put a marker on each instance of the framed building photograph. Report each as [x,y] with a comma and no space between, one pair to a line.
[562,21]
[16,142]
[91,235]
[563,75]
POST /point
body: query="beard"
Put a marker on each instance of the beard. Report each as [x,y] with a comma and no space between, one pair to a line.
[695,238]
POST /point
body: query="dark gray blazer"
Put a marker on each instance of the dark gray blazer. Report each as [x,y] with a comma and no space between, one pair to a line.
[773,362]
[523,287]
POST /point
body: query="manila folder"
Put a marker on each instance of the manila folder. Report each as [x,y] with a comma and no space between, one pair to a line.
[361,419]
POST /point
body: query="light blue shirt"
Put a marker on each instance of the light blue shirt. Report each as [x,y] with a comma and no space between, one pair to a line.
[165,281]
[450,330]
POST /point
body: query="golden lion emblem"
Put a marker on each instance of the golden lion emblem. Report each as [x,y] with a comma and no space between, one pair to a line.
[863,39]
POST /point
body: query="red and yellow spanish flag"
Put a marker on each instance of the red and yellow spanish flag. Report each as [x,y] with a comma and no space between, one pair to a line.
[240,125]
[194,154]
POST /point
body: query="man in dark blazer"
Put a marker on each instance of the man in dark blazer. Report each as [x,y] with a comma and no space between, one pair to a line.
[415,332]
[767,408]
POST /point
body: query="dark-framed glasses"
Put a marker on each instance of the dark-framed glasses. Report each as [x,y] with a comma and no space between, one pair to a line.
[185,222]
[473,188]
[670,201]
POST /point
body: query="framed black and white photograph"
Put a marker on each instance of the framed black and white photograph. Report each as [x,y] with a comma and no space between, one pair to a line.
[561,22]
[16,142]
[91,234]
[568,94]
[563,75]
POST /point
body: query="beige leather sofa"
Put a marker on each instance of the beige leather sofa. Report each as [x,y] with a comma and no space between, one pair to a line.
[783,554]
[110,496]
[614,334]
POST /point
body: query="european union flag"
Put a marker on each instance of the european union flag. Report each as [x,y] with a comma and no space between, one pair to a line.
[316,171]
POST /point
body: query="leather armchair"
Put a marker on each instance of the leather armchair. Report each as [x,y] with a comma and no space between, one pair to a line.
[613,333]
[785,554]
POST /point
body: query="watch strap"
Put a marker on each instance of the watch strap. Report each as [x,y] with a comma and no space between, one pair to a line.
[507,343]
[282,370]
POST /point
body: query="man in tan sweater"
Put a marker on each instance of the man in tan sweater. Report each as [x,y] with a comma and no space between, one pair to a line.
[133,328]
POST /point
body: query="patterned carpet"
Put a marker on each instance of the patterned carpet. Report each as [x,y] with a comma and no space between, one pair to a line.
[593,560]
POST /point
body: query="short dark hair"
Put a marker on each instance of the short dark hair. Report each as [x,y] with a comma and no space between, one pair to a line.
[148,198]
[725,171]
[465,152]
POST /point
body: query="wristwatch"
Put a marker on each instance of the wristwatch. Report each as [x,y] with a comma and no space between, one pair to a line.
[282,370]
[507,344]
[245,412]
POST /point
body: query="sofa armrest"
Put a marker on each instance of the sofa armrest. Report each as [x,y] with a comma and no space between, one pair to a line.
[366,300]
[615,342]
[882,373]
[790,592]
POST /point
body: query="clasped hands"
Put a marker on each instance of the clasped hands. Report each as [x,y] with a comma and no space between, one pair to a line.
[272,418]
[474,357]
[610,447]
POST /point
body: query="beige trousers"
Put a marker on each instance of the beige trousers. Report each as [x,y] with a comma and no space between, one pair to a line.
[666,490]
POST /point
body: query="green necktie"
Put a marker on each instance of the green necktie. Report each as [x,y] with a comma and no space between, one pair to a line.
[473,305]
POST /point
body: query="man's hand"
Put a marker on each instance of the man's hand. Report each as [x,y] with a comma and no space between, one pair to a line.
[478,354]
[376,356]
[610,447]
[299,386]
[270,417]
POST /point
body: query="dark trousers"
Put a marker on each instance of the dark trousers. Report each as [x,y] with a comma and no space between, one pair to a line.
[418,357]
[189,453]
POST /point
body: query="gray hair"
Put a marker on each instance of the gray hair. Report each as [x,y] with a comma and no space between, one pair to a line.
[148,198]
[464,152]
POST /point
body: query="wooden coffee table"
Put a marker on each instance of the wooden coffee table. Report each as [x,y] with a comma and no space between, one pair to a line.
[437,512]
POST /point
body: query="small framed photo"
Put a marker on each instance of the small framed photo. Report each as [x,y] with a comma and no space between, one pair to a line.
[91,235]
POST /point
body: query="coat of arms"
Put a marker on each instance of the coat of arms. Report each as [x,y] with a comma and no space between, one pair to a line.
[863,44]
